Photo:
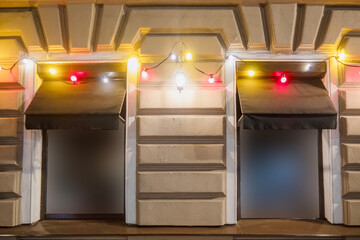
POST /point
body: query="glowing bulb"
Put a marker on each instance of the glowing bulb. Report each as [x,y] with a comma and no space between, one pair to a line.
[133,64]
[188,56]
[283,79]
[144,74]
[0,68]
[251,73]
[73,78]
[172,56]
[308,67]
[180,79]
[211,79]
[52,71]
[25,60]
[341,56]
[105,80]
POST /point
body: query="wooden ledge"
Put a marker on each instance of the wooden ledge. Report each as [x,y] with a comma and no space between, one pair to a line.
[250,228]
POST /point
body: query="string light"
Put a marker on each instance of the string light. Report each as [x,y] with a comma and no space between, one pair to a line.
[251,73]
[0,68]
[341,56]
[308,67]
[52,71]
[211,79]
[283,79]
[73,78]
[180,79]
[105,79]
[133,64]
[172,56]
[188,56]
[144,74]
[25,60]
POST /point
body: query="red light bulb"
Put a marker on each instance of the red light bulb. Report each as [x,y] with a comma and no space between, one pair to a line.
[283,79]
[73,78]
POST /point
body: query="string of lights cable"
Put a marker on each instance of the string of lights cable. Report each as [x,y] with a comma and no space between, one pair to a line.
[179,57]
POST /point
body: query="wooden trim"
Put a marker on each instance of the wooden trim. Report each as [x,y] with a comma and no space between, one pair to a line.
[321,177]
[40,29]
[265,24]
[119,216]
[64,25]
[120,31]
[96,28]
[44,175]
[324,26]
[299,26]
[239,18]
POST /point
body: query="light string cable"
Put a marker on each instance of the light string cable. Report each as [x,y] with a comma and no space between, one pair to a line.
[19,60]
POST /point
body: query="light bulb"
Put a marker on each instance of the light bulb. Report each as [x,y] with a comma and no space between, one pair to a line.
[133,64]
[25,60]
[188,56]
[144,74]
[105,79]
[251,73]
[52,71]
[73,78]
[180,80]
[211,79]
[231,57]
[341,56]
[0,68]
[172,56]
[283,79]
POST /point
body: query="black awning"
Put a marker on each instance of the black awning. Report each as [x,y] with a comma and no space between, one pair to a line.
[89,105]
[298,104]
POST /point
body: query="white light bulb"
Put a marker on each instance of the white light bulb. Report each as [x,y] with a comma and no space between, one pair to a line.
[25,60]
[180,79]
[231,57]
[133,64]
[173,56]
[105,79]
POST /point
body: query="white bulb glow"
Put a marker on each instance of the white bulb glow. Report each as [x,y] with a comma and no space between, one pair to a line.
[105,79]
[173,56]
[25,60]
[180,80]
[308,67]
[133,64]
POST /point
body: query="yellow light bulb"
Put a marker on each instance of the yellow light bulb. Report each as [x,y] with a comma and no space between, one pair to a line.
[341,56]
[52,71]
[251,73]
[133,64]
[188,56]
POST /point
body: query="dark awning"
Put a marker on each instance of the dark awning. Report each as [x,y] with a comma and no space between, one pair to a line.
[302,103]
[90,105]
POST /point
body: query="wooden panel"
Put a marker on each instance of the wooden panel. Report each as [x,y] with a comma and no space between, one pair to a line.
[10,182]
[182,182]
[170,99]
[23,23]
[185,154]
[351,181]
[186,18]
[182,126]
[254,27]
[10,100]
[349,101]
[169,237]
[350,127]
[9,155]
[9,127]
[350,153]
[181,212]
[312,19]
[10,212]
[81,23]
[283,20]
[51,22]
[111,17]
[351,212]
